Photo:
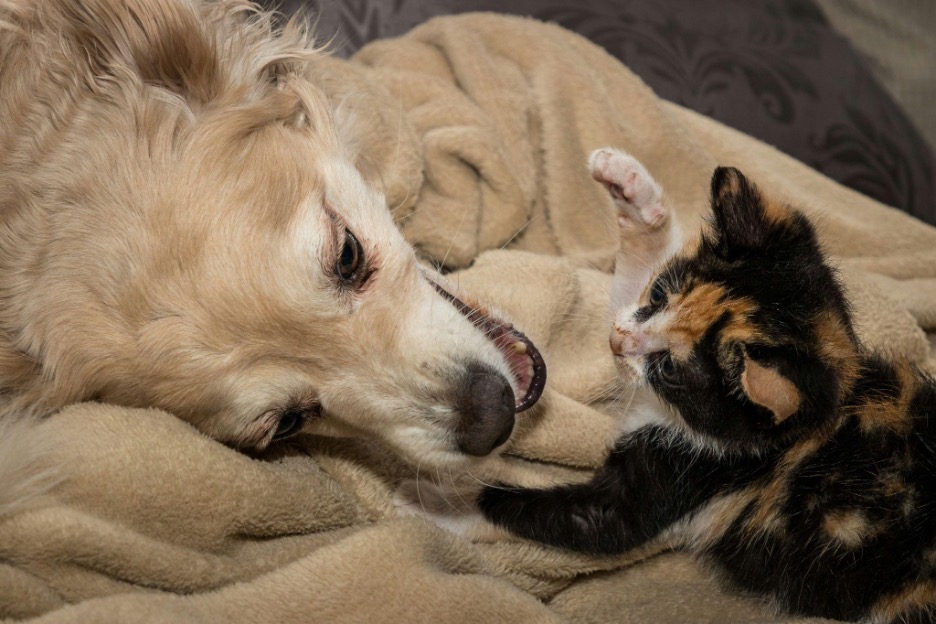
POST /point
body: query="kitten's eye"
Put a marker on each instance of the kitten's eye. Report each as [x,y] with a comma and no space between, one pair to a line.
[657,295]
[290,423]
[350,259]
[667,369]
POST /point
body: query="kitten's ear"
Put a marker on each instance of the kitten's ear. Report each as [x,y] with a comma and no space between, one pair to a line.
[739,212]
[767,387]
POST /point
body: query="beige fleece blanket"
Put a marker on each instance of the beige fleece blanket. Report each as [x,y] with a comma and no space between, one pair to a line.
[477,127]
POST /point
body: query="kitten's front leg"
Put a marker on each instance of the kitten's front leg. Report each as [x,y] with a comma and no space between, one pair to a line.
[648,232]
[645,486]
[621,508]
[583,517]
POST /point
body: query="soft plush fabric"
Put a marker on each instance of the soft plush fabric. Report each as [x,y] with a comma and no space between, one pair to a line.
[478,127]
[774,69]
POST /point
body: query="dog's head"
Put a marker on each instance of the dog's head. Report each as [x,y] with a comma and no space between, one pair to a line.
[182,226]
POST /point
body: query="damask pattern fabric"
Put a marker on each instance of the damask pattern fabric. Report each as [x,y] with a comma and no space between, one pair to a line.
[772,69]
[897,39]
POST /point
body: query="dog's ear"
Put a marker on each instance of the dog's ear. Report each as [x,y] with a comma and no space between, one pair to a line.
[160,41]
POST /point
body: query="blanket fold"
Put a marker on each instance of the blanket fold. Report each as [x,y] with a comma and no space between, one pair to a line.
[477,128]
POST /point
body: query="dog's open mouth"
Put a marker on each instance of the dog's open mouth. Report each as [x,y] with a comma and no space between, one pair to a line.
[524,359]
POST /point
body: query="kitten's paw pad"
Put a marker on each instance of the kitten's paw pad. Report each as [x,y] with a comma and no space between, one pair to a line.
[636,193]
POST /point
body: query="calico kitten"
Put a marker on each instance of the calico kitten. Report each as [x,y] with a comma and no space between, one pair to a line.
[799,465]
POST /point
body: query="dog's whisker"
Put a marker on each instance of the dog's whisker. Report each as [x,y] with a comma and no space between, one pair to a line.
[442,491]
[518,232]
[419,497]
[455,236]
[457,491]
[401,119]
[486,484]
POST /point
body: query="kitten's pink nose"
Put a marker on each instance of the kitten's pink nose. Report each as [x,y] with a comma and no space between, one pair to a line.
[634,342]
[616,340]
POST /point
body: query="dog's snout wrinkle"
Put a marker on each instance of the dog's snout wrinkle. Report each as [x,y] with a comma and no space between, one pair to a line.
[487,411]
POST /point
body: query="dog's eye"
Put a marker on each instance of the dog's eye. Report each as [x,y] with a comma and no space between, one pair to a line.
[657,295]
[290,423]
[350,259]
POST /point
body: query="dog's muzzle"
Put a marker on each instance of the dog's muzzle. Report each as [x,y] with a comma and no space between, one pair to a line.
[487,411]
[489,406]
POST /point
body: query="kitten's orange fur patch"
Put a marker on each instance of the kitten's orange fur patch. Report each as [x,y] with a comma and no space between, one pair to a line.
[837,347]
[849,527]
[774,494]
[776,211]
[892,415]
[711,524]
[731,188]
[698,309]
[918,597]
[883,415]
[767,512]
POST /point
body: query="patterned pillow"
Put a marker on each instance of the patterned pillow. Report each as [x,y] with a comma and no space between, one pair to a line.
[773,69]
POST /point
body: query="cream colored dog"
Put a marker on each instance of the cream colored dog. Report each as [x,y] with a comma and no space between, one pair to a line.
[182,226]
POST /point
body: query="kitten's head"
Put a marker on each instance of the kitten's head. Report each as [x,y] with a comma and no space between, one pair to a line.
[747,336]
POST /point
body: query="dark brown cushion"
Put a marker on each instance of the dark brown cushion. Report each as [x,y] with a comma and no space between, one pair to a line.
[774,69]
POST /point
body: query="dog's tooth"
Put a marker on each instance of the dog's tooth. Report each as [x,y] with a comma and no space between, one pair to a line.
[519,347]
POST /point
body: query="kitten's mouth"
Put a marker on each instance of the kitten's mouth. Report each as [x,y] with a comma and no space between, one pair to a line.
[524,359]
[631,368]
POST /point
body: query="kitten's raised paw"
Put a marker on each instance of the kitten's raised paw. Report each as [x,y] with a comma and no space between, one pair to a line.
[636,193]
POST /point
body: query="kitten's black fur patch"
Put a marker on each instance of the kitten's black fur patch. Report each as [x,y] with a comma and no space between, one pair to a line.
[828,512]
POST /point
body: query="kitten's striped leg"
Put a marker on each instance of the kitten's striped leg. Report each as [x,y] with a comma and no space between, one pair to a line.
[646,485]
[648,234]
[583,517]
[617,510]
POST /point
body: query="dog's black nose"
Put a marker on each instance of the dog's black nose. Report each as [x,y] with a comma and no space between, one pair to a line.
[487,411]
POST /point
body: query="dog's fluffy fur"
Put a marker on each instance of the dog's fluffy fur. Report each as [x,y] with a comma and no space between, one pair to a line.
[174,193]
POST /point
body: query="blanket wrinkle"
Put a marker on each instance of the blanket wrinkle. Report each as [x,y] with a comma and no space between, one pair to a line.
[477,129]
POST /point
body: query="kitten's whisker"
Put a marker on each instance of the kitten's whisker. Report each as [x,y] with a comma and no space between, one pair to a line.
[640,259]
